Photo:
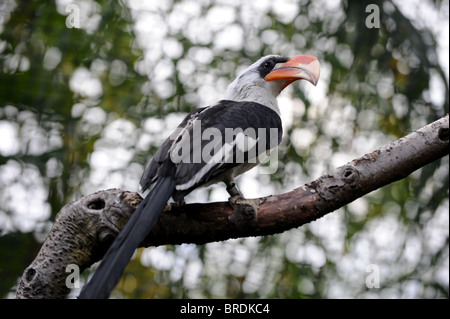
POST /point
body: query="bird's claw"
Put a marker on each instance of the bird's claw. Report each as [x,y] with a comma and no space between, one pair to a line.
[179,203]
[244,210]
[236,200]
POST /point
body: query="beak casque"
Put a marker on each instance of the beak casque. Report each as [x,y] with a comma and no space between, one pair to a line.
[304,66]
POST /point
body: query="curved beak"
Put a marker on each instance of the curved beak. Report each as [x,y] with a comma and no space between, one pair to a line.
[304,66]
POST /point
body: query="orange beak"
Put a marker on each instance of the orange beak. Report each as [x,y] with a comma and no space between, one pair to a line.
[304,66]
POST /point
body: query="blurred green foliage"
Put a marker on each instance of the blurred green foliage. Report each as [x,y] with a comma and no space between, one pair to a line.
[75,105]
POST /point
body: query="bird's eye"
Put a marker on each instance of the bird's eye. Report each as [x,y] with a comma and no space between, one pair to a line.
[267,65]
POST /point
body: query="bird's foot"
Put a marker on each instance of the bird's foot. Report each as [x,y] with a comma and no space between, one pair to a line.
[235,200]
[179,203]
[244,210]
[232,189]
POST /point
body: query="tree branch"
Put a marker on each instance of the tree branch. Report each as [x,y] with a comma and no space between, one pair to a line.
[84,229]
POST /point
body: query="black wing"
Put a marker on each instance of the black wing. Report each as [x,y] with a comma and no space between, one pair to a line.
[151,172]
[215,143]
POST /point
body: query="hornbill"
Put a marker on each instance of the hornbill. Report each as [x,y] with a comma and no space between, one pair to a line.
[212,144]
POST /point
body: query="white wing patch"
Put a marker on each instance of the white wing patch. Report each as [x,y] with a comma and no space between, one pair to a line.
[245,142]
[219,158]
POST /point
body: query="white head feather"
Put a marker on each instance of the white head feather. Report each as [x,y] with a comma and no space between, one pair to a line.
[251,86]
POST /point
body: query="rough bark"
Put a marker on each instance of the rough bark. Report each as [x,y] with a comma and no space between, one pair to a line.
[84,229]
[82,232]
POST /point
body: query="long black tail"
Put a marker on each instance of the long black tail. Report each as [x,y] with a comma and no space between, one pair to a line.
[119,253]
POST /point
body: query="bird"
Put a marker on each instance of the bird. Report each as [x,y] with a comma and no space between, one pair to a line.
[212,144]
